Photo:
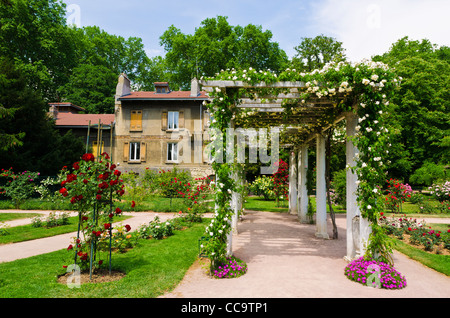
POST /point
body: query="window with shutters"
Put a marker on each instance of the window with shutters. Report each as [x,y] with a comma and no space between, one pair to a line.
[172,151]
[135,151]
[136,120]
[173,120]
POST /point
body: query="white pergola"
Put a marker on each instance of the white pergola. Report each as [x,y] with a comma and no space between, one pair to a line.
[303,123]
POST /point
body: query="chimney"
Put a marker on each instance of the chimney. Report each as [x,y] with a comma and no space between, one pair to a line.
[123,86]
[195,88]
[53,112]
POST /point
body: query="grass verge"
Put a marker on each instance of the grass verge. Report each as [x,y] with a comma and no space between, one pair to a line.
[440,263]
[27,232]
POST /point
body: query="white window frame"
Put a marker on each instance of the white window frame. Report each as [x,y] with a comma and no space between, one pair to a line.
[171,147]
[173,120]
[135,151]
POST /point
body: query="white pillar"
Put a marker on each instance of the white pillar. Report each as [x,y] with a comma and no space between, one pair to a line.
[302,189]
[321,189]
[358,229]
[293,183]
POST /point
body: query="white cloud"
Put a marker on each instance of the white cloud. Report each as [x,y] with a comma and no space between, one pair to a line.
[367,28]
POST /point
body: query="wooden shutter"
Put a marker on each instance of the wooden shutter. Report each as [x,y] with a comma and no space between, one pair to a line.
[143,151]
[95,149]
[181,119]
[136,120]
[126,151]
[164,120]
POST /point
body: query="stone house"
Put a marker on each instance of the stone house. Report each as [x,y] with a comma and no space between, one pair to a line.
[161,129]
[68,116]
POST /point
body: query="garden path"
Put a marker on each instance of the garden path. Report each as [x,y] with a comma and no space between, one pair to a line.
[11,252]
[286,260]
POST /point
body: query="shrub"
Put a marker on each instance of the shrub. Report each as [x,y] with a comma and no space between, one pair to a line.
[4,229]
[19,186]
[339,184]
[441,191]
[397,193]
[157,229]
[263,186]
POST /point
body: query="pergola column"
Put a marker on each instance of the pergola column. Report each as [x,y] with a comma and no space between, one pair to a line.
[302,189]
[321,189]
[358,229]
[292,183]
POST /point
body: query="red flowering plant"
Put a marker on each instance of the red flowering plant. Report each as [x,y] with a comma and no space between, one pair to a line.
[281,181]
[397,193]
[92,186]
[195,196]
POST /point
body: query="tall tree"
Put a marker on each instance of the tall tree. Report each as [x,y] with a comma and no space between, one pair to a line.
[33,33]
[217,45]
[43,149]
[100,58]
[420,112]
[314,53]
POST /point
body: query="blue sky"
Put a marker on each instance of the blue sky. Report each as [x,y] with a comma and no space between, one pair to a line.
[366,27]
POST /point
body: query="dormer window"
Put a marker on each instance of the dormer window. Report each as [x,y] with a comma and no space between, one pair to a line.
[162,87]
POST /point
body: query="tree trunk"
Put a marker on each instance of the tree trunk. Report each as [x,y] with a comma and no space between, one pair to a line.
[328,182]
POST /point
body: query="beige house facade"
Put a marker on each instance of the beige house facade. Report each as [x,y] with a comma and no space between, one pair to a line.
[161,129]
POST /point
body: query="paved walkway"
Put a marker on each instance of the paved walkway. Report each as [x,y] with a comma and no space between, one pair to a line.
[284,258]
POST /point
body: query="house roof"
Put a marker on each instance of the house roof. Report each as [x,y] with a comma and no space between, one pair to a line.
[68,105]
[179,95]
[82,120]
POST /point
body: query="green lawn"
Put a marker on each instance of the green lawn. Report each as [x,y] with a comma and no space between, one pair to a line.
[259,204]
[27,232]
[5,217]
[154,203]
[152,268]
[440,263]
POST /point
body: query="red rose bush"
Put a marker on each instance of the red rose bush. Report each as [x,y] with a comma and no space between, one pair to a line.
[92,186]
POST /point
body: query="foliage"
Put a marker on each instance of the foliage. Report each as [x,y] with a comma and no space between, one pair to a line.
[397,193]
[374,273]
[4,229]
[52,220]
[281,180]
[441,191]
[428,174]
[217,45]
[314,53]
[42,148]
[19,186]
[35,36]
[173,181]
[339,184]
[92,187]
[419,111]
[419,233]
[263,186]
[157,229]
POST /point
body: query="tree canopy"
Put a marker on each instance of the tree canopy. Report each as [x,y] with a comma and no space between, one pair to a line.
[217,45]
[420,111]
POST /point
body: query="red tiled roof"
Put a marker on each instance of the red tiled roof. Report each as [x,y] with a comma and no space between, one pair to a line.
[154,95]
[68,119]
